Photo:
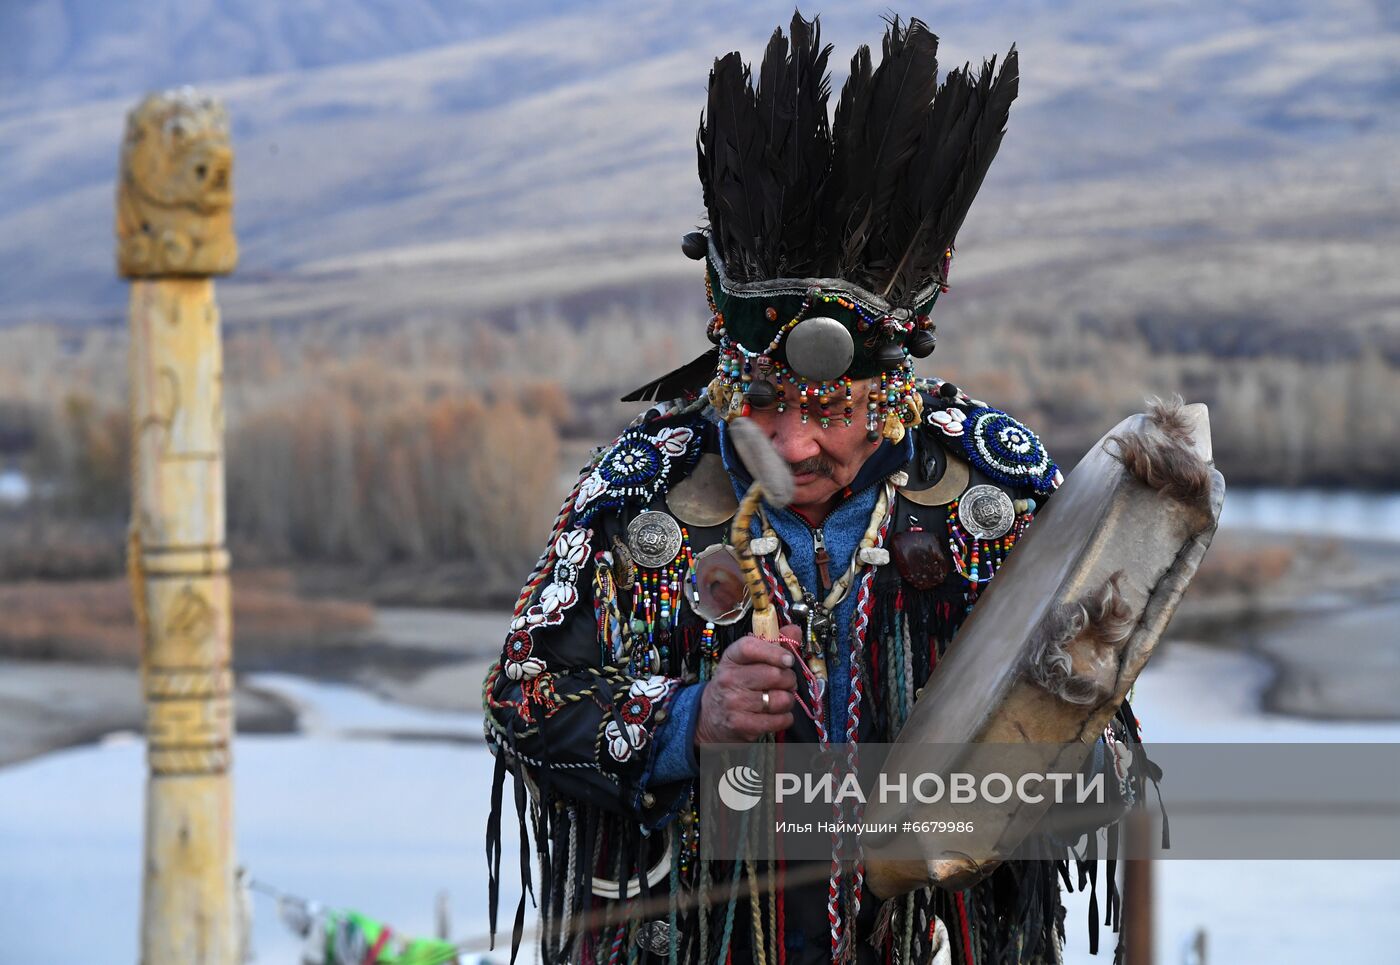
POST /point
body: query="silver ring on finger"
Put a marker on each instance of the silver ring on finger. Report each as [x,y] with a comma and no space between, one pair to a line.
[766,702]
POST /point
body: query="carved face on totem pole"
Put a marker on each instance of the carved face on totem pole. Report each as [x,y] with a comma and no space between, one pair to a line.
[175,191]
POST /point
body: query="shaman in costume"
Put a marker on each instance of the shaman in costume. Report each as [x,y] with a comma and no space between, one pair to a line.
[829,240]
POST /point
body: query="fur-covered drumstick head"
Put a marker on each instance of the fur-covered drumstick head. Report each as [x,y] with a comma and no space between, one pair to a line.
[769,469]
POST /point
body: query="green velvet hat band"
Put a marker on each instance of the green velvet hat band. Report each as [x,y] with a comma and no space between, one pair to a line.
[759,315]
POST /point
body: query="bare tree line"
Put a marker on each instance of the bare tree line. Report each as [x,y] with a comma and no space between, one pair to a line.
[353,458]
[435,440]
[352,470]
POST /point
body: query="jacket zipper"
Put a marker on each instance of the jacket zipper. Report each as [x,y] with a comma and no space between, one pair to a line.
[823,560]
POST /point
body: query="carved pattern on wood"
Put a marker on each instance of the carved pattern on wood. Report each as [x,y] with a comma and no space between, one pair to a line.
[165,405]
[175,191]
[191,619]
[188,683]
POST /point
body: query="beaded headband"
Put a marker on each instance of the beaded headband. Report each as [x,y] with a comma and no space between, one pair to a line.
[805,341]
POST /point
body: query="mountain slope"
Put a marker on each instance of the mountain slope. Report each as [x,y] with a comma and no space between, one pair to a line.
[434,158]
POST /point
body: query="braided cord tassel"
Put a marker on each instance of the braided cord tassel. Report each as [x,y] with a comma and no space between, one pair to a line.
[833,895]
[865,604]
[775,925]
[776,591]
[673,909]
[755,906]
[702,909]
[845,940]
[843,925]
[894,668]
[760,951]
[570,876]
[733,897]
[843,933]
[908,673]
[615,954]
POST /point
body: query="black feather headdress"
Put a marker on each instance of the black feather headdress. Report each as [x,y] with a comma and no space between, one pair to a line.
[877,196]
[765,152]
[850,217]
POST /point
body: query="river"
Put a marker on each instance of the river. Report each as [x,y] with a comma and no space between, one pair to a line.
[1340,513]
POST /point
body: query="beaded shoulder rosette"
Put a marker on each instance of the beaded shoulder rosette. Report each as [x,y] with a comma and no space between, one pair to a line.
[637,467]
[1008,452]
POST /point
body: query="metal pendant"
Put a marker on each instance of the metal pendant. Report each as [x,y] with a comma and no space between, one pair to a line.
[654,538]
[654,937]
[822,625]
[820,349]
[624,567]
[986,512]
[716,590]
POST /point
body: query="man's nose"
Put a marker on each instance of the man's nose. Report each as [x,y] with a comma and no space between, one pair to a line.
[795,441]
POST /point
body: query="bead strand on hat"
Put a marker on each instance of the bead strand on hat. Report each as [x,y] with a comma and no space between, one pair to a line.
[746,379]
[873,419]
[893,405]
[716,326]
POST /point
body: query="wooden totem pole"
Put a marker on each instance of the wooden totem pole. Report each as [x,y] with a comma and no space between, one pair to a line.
[174,231]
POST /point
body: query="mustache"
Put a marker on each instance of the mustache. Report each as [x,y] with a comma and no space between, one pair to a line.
[813,464]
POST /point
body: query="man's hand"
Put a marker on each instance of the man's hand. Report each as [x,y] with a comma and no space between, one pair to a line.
[731,706]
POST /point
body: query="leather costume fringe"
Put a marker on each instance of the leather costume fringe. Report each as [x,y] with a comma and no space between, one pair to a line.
[1013,917]
[1035,931]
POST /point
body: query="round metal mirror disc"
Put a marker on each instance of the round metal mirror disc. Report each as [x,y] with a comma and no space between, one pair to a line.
[949,487]
[986,512]
[654,538]
[820,349]
[717,590]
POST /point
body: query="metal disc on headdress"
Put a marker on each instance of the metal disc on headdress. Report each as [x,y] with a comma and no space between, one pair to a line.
[820,349]
[986,512]
[654,538]
[717,590]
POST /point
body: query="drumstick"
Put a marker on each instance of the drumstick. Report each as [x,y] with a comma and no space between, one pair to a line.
[772,480]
